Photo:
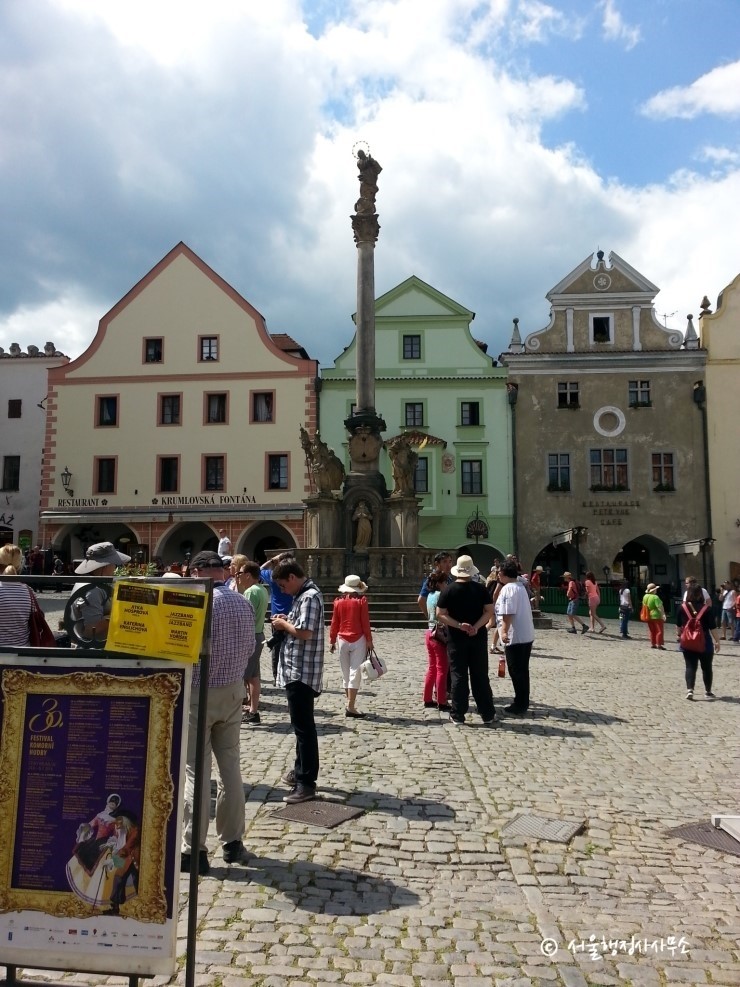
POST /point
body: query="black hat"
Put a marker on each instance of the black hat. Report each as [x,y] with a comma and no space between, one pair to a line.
[207,560]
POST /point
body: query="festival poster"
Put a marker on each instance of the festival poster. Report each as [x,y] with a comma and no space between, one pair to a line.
[92,761]
[157,620]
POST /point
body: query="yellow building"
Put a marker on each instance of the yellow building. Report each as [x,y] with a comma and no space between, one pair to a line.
[181,418]
[720,335]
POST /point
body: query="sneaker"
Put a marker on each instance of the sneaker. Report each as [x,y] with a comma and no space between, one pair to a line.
[289,778]
[252,718]
[690,695]
[203,866]
[457,723]
[573,631]
[489,723]
[301,793]
[355,714]
[444,707]
[235,852]
[584,629]
[710,695]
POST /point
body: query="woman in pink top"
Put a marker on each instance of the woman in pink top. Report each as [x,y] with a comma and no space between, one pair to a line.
[594,599]
[350,625]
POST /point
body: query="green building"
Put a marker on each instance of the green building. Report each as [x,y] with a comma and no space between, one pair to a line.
[434,381]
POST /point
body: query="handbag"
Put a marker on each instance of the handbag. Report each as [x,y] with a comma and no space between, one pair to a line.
[440,632]
[40,635]
[645,612]
[373,667]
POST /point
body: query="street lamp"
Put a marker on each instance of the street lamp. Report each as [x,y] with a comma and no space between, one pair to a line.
[66,479]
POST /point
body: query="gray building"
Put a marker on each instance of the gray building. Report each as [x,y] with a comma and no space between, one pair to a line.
[610,433]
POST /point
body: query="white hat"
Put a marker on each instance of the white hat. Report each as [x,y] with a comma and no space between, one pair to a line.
[101,555]
[465,568]
[538,568]
[352,584]
[651,587]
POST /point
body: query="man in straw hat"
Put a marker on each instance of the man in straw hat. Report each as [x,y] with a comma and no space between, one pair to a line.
[466,607]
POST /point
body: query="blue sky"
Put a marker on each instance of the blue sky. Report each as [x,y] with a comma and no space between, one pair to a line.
[516,138]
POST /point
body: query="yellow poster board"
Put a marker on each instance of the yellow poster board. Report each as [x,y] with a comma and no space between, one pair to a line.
[157,620]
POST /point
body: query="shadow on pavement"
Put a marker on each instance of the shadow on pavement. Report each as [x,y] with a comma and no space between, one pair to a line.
[408,808]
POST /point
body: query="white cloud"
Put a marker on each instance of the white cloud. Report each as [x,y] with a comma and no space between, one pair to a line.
[538,22]
[719,155]
[616,29]
[66,321]
[716,92]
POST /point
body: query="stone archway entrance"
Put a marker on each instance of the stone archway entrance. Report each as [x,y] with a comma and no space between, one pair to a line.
[644,559]
[185,540]
[268,536]
[72,540]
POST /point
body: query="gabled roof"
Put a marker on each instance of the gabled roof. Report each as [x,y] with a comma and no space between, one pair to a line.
[428,302]
[639,284]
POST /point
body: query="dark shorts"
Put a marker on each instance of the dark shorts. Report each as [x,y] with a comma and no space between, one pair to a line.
[253,665]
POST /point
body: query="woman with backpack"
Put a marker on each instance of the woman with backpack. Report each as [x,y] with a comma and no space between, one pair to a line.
[692,612]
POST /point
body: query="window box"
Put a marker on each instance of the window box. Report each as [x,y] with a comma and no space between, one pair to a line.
[664,488]
[558,488]
[641,404]
[617,487]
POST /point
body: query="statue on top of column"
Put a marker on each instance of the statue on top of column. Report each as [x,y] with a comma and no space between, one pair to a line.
[403,459]
[368,171]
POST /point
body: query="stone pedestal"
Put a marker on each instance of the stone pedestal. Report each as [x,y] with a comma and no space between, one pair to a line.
[403,521]
[323,521]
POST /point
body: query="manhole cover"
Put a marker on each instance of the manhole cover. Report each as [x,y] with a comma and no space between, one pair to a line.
[705,834]
[543,828]
[319,813]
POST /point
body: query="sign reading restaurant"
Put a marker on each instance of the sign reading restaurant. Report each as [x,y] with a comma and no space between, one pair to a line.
[170,500]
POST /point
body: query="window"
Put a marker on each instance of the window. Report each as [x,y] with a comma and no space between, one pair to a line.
[14,408]
[263,406]
[153,350]
[413,414]
[214,469]
[558,471]
[215,409]
[169,409]
[600,327]
[208,347]
[421,475]
[412,347]
[105,474]
[639,394]
[11,472]
[470,413]
[568,395]
[663,478]
[168,474]
[609,469]
[107,412]
[471,471]
[277,472]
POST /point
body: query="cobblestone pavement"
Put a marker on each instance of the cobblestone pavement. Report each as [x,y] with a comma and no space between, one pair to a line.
[422,890]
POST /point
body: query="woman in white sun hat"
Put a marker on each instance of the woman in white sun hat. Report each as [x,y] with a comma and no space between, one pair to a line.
[350,626]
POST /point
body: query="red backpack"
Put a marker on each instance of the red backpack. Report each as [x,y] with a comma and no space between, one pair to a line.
[692,636]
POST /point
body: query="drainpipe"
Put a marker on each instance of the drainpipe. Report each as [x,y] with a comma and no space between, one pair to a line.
[512,392]
[707,544]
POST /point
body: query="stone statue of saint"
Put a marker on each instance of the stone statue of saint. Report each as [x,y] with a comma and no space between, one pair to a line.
[324,467]
[364,527]
[368,171]
[403,459]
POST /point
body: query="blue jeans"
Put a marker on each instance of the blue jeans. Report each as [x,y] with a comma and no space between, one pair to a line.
[624,620]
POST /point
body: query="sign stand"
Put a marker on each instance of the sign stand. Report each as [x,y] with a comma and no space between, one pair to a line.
[134,980]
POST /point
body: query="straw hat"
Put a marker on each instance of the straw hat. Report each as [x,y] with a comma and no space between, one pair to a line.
[352,584]
[465,568]
[567,575]
[651,587]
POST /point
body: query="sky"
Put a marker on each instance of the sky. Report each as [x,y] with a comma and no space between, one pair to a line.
[516,137]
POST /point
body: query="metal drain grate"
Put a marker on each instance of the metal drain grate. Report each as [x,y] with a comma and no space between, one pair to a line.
[319,813]
[705,834]
[543,828]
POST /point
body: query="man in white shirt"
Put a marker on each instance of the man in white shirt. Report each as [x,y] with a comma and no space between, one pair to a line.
[516,630]
[690,581]
[728,596]
[224,544]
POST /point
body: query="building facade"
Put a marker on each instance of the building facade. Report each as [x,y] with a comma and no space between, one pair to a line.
[720,335]
[435,382]
[182,417]
[611,471]
[23,397]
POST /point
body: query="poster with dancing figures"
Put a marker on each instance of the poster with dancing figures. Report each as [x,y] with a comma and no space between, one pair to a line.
[91,781]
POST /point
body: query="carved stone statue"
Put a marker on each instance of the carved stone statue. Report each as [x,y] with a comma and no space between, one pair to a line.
[324,466]
[364,528]
[403,459]
[368,169]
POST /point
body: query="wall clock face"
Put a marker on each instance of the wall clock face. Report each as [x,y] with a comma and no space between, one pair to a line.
[602,282]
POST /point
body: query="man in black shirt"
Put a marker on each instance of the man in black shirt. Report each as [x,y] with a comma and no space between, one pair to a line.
[466,607]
